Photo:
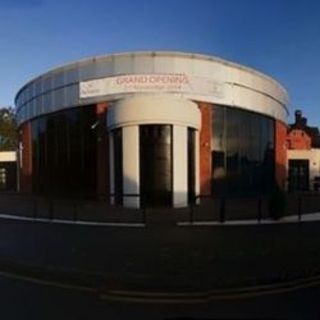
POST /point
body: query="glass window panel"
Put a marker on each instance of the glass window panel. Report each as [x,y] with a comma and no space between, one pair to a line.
[64,153]
[156,164]
[242,148]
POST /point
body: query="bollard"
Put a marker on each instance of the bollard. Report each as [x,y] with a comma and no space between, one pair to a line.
[144,214]
[74,212]
[299,208]
[35,208]
[259,210]
[222,210]
[191,212]
[50,204]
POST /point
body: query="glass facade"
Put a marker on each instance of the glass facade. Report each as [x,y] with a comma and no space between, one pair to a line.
[242,148]
[156,165]
[64,155]
[64,148]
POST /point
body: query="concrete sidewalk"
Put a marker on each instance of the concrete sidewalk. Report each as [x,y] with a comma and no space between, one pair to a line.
[309,217]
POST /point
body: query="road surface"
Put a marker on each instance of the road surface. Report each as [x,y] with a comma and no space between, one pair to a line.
[26,300]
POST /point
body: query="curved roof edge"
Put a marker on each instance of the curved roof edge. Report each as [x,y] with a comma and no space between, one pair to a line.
[198,56]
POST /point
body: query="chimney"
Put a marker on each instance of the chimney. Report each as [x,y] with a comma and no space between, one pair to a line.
[298,116]
[304,121]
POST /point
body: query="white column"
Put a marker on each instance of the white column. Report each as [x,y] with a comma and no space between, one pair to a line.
[131,170]
[197,164]
[180,167]
[111,166]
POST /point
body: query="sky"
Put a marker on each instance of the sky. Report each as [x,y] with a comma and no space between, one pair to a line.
[278,37]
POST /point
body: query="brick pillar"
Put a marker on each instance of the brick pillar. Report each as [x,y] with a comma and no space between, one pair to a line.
[205,148]
[102,152]
[280,153]
[26,161]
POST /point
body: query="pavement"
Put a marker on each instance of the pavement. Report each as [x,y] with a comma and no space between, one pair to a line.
[307,217]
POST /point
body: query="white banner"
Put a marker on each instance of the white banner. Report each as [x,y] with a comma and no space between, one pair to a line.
[175,83]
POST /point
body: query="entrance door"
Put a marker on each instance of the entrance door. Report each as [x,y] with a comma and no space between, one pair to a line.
[298,175]
[156,165]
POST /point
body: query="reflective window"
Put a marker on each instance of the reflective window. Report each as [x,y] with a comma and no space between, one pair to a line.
[64,153]
[156,165]
[242,148]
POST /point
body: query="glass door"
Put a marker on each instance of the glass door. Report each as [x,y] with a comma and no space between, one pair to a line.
[156,165]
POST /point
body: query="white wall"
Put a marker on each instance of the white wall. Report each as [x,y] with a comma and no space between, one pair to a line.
[153,109]
[131,112]
[8,156]
[180,167]
[131,166]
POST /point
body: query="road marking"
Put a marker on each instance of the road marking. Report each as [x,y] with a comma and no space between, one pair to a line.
[46,282]
[202,297]
[71,222]
[223,292]
[175,298]
[238,223]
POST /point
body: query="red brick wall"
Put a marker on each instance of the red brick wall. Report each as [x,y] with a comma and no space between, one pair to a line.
[299,140]
[205,148]
[26,169]
[280,153]
[102,152]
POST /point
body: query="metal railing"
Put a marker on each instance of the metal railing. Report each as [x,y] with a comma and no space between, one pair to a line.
[257,208]
[200,208]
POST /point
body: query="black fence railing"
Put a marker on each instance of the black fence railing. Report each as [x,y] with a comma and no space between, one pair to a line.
[201,208]
[222,209]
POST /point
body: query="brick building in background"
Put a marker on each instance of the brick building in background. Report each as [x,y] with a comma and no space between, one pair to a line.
[303,166]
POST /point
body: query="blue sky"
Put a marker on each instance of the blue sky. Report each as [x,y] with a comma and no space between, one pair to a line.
[278,37]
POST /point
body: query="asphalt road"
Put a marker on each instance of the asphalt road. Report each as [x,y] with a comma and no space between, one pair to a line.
[25,300]
[168,257]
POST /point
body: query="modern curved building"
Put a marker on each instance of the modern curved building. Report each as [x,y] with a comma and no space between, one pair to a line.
[152,128]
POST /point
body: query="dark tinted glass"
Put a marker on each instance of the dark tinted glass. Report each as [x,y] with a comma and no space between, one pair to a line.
[156,165]
[242,152]
[64,153]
